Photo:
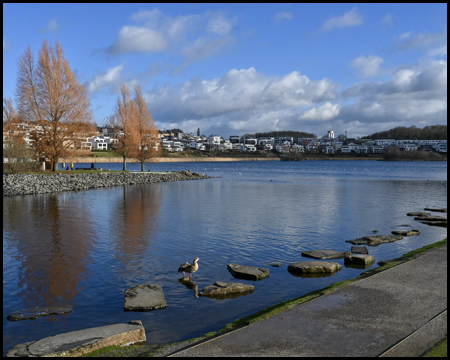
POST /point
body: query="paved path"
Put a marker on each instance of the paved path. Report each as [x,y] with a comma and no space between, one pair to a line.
[398,312]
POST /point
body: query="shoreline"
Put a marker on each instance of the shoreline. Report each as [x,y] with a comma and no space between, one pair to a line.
[32,184]
[172,349]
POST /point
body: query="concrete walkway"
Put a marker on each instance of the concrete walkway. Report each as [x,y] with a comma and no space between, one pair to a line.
[398,312]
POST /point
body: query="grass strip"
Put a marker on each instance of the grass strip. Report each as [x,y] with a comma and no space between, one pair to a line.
[440,350]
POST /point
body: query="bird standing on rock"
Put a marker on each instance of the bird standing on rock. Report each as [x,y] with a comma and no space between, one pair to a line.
[186,267]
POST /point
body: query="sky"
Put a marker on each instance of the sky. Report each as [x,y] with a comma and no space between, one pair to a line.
[231,69]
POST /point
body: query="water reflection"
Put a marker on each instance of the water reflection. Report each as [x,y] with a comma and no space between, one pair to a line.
[53,260]
[186,281]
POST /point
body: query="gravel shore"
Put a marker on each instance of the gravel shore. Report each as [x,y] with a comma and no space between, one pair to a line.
[21,184]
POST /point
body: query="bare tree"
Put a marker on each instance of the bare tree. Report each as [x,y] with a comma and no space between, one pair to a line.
[147,131]
[125,125]
[50,96]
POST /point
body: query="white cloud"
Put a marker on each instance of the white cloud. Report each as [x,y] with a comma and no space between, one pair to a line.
[138,39]
[439,51]
[240,100]
[110,78]
[52,25]
[283,15]
[368,66]
[194,36]
[350,18]
[421,40]
[326,111]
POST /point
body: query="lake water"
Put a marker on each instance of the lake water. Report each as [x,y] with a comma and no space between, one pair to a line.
[84,249]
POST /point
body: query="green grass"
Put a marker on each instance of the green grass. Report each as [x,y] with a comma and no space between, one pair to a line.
[440,350]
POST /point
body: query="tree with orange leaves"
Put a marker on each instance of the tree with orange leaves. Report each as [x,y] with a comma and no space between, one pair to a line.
[124,122]
[147,132]
[50,96]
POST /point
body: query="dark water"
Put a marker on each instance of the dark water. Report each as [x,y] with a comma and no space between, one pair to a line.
[84,249]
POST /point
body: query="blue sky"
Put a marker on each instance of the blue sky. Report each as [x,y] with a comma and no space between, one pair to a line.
[231,69]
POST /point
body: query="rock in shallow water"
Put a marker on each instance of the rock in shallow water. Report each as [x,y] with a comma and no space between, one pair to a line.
[226,290]
[145,297]
[325,254]
[34,313]
[314,267]
[248,272]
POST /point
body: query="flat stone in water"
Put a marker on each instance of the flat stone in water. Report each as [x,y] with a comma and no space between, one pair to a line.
[82,342]
[145,297]
[414,213]
[314,267]
[359,259]
[27,314]
[375,240]
[439,210]
[360,250]
[226,290]
[248,272]
[325,254]
[406,232]
[431,218]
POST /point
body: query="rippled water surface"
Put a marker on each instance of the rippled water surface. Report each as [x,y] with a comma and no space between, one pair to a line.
[84,249]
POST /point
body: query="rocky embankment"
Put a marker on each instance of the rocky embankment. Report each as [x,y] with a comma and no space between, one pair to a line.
[21,184]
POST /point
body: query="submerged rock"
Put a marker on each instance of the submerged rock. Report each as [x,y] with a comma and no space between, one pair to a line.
[325,254]
[227,290]
[27,314]
[406,232]
[431,218]
[359,259]
[375,240]
[145,297]
[77,343]
[248,272]
[413,213]
[360,250]
[439,210]
[314,267]
[435,223]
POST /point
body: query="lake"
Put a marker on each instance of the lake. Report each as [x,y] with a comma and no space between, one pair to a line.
[84,249]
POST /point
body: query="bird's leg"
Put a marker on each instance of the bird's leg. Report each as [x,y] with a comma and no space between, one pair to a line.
[184,275]
[191,276]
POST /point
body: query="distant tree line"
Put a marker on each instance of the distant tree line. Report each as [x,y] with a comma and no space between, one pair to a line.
[434,132]
[295,134]
[395,153]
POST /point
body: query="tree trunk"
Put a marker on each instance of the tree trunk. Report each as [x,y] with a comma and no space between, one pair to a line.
[124,163]
[55,164]
[142,165]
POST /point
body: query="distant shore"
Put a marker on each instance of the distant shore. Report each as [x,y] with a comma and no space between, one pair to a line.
[158,159]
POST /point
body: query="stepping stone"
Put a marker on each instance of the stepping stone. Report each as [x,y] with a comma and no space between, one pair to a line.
[359,259]
[360,250]
[413,213]
[439,210]
[275,264]
[431,218]
[325,254]
[226,290]
[26,314]
[248,272]
[375,240]
[406,232]
[77,343]
[314,267]
[435,223]
[145,297]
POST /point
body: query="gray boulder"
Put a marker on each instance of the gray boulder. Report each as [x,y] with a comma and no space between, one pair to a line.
[77,343]
[314,267]
[375,240]
[406,232]
[226,290]
[360,250]
[325,254]
[435,223]
[145,297]
[359,259]
[26,314]
[248,272]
